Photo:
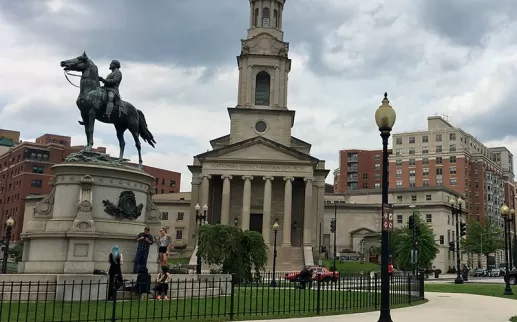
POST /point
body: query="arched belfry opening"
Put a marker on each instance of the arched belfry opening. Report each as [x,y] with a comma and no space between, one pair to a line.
[263,88]
[256,17]
[265,17]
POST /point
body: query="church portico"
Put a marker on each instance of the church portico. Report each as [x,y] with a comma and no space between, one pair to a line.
[260,173]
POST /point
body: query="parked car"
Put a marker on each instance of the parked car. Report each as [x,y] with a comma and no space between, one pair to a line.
[512,277]
[320,273]
[480,272]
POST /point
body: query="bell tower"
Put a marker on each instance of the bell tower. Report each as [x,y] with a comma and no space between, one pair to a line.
[264,66]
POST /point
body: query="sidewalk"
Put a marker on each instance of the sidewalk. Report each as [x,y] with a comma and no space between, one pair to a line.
[441,307]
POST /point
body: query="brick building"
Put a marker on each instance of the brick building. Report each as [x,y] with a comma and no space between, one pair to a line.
[25,170]
[444,155]
[358,170]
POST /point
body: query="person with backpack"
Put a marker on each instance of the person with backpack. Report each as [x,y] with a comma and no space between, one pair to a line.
[115,271]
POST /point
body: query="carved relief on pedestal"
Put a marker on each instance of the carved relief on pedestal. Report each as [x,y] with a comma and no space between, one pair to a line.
[264,44]
[151,210]
[84,218]
[45,207]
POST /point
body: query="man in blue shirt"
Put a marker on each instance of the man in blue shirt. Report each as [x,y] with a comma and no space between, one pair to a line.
[144,240]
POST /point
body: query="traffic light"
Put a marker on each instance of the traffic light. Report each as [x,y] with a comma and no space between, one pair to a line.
[451,246]
[411,222]
[333,225]
[463,229]
[417,230]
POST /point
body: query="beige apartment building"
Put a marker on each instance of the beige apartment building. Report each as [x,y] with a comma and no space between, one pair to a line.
[444,155]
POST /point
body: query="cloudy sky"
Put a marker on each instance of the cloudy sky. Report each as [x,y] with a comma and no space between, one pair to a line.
[178,58]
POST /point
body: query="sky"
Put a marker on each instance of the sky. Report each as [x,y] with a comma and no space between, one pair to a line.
[456,58]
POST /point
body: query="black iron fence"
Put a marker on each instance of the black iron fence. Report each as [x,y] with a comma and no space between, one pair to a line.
[192,297]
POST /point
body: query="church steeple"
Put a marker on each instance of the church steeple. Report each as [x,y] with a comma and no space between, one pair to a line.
[264,64]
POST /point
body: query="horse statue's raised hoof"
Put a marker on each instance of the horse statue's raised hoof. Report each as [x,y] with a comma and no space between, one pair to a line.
[80,122]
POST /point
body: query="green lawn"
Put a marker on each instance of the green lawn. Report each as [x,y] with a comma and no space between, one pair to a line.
[352,267]
[478,289]
[258,303]
[178,260]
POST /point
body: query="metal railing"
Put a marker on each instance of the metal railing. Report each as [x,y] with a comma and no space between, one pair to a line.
[199,297]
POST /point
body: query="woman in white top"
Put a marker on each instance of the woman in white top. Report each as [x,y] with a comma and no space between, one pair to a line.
[164,246]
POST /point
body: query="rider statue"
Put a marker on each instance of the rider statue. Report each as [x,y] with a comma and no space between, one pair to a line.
[111,84]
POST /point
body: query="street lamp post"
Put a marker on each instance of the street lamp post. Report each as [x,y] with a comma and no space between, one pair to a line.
[200,219]
[276,226]
[385,117]
[505,212]
[456,209]
[236,221]
[9,227]
[511,220]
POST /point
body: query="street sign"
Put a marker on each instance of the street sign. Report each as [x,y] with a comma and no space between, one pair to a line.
[387,217]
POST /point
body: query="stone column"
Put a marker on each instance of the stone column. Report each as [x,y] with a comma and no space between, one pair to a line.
[246,203]
[205,189]
[225,202]
[249,86]
[277,86]
[288,203]
[308,212]
[266,227]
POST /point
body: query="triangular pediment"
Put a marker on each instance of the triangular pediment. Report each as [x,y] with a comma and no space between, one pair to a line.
[257,149]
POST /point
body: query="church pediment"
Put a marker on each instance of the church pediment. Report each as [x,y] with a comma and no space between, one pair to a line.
[257,149]
[264,44]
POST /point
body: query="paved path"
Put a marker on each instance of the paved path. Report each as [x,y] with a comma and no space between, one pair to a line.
[442,307]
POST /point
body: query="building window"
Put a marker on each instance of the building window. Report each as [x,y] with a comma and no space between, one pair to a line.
[172,183]
[399,219]
[439,181]
[453,181]
[265,17]
[37,169]
[413,198]
[412,162]
[275,18]
[438,138]
[425,182]
[452,148]
[398,152]
[181,216]
[399,184]
[179,234]
[429,218]
[425,171]
[365,185]
[377,176]
[377,157]
[365,176]
[425,150]
[412,151]
[412,173]
[377,185]
[255,18]
[262,88]
[428,197]
[399,198]
[165,215]
[398,173]
[163,181]
[377,166]
[439,160]
[425,160]
[425,139]
[452,136]
[398,141]
[411,139]
[452,159]
[452,170]
[398,163]
[438,148]
[412,184]
[36,183]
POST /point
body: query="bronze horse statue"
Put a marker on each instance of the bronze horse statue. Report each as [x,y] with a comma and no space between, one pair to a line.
[92,101]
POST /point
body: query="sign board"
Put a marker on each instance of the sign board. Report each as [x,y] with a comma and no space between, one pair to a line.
[387,217]
[346,258]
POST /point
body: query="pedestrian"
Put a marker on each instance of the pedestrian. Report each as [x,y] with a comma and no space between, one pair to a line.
[144,240]
[162,283]
[390,270]
[164,246]
[115,271]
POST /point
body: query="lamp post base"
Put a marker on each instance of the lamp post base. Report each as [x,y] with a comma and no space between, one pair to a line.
[508,290]
[273,283]
[385,316]
[458,280]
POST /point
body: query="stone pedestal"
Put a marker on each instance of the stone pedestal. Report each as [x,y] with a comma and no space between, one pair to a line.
[91,208]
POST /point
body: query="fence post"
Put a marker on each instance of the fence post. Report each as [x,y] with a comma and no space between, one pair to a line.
[114,298]
[232,297]
[409,289]
[318,304]
[376,291]
[421,287]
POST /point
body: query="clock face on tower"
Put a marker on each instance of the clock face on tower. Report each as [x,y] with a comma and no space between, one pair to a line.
[260,126]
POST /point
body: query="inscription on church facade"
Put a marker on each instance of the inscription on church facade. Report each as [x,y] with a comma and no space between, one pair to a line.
[256,167]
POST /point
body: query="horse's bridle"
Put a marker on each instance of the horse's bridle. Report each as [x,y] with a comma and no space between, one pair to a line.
[66,73]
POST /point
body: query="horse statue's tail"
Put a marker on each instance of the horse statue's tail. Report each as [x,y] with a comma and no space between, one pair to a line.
[144,132]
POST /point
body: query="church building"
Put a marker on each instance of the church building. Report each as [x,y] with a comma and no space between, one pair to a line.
[260,173]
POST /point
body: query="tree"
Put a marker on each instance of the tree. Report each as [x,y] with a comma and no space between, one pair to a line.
[483,240]
[233,250]
[403,245]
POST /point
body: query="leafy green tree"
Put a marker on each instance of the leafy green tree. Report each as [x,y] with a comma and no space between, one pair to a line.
[483,240]
[234,251]
[403,245]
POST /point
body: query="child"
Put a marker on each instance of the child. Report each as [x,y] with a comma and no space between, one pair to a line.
[162,283]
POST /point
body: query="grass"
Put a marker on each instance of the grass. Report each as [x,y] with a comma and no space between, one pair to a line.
[495,290]
[257,303]
[352,267]
[178,260]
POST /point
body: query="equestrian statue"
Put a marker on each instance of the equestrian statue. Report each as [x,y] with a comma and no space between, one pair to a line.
[105,104]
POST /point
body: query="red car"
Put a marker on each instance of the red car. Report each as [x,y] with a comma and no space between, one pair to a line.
[319,273]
